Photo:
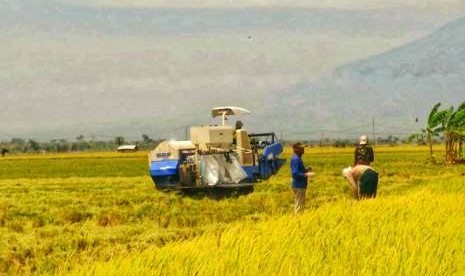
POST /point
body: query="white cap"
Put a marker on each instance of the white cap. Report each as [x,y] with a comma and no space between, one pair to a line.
[363,140]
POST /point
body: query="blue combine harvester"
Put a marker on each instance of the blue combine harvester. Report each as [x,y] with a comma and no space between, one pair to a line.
[216,156]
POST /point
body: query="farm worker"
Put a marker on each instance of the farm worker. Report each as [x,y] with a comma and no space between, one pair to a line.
[239,125]
[363,152]
[300,176]
[363,180]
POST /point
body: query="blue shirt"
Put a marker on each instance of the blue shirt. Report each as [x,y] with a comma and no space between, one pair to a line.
[298,170]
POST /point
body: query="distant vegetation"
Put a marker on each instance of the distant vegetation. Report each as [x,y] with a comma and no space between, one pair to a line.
[79,144]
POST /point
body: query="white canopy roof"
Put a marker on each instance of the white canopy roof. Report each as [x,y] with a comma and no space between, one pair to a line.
[127,147]
[229,110]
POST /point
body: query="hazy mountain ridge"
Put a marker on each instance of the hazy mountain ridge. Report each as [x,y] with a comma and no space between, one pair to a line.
[395,87]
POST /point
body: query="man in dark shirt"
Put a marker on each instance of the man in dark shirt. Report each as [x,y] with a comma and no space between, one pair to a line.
[300,176]
[364,154]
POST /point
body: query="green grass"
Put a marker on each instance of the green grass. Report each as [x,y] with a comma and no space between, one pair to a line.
[73,165]
[100,213]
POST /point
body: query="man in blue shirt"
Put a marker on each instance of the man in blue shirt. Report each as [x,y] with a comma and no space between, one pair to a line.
[300,176]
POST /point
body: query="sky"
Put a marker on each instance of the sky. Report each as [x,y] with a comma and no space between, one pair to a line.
[333,4]
[116,67]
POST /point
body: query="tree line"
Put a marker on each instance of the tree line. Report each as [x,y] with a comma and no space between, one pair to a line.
[79,144]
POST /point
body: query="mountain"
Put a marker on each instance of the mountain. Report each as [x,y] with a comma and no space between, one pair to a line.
[394,88]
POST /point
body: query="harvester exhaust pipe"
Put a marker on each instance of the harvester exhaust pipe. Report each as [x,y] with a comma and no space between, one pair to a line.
[223,118]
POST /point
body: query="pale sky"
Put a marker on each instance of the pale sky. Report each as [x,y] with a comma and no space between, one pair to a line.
[312,4]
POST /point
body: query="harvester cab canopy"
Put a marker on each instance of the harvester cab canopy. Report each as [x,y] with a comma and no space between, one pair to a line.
[228,111]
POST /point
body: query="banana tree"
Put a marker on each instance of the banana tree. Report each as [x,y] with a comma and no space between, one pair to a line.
[433,125]
[459,130]
[453,127]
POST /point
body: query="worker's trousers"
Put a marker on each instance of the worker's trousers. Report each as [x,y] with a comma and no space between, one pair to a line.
[300,194]
[368,184]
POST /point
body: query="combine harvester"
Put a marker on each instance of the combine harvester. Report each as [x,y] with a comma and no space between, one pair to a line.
[216,157]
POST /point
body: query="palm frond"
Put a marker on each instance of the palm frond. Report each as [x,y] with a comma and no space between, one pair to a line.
[432,114]
[448,115]
[458,132]
[459,118]
[439,118]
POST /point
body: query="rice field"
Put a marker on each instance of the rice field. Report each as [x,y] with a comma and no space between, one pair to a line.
[98,214]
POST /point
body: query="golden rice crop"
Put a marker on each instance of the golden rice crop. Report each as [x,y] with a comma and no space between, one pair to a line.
[419,233]
[98,212]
